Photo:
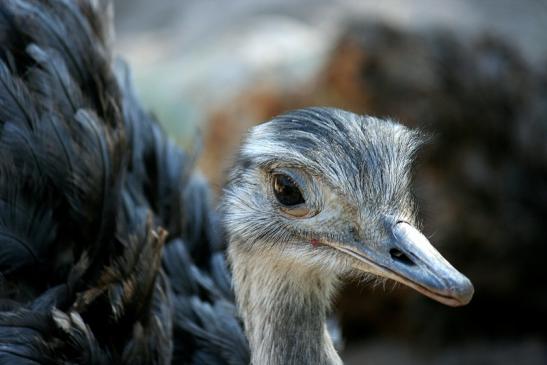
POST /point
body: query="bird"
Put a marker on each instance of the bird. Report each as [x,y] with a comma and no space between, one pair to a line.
[111,251]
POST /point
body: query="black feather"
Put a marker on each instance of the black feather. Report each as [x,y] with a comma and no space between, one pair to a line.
[15,101]
[27,227]
[54,78]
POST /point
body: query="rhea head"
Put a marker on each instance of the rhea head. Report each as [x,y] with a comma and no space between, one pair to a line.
[319,194]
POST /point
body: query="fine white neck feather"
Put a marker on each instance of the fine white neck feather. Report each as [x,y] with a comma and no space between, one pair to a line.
[284,306]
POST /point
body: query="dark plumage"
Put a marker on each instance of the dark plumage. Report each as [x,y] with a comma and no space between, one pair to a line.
[110,252]
[89,188]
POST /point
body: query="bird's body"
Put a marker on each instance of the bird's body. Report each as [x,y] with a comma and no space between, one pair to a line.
[110,252]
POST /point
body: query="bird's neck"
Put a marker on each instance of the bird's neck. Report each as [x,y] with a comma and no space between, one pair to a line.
[284,308]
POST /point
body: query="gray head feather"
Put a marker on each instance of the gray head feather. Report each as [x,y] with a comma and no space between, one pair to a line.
[363,161]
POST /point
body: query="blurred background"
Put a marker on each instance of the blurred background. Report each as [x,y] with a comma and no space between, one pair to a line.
[471,73]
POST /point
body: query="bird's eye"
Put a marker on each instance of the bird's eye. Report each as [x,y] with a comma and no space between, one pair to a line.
[286,191]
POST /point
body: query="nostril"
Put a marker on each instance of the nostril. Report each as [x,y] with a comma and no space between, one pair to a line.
[398,255]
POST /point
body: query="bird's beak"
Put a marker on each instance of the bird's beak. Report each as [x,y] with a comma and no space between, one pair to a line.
[409,258]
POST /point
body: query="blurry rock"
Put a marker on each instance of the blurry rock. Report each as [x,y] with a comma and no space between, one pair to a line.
[476,353]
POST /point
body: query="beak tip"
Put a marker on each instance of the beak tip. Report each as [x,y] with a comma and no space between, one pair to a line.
[463,292]
[466,291]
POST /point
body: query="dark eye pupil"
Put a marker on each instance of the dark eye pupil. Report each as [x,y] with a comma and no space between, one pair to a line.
[286,191]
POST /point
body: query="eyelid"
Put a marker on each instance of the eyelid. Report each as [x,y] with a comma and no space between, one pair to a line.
[299,211]
[296,177]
